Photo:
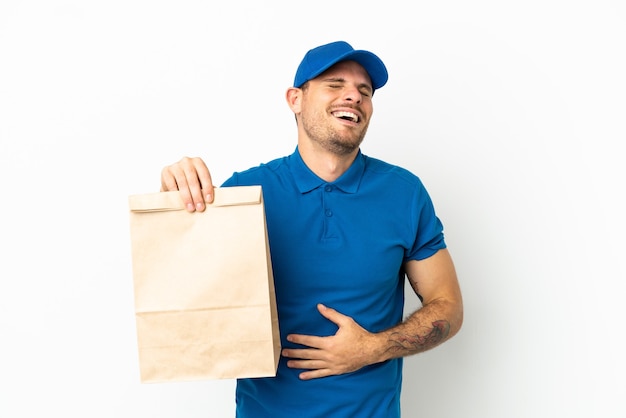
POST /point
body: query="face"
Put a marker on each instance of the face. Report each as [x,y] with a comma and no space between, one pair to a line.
[336,108]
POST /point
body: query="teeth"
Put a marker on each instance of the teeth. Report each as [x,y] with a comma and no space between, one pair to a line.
[349,115]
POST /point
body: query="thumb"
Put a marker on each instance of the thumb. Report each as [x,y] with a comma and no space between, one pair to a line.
[331,314]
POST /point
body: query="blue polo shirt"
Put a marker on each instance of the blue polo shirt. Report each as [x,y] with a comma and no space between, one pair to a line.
[342,244]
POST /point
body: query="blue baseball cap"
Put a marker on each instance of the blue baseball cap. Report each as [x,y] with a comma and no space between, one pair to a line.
[320,59]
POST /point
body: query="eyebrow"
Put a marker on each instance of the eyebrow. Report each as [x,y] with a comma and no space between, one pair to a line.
[342,80]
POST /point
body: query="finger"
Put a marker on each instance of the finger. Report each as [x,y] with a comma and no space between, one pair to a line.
[202,187]
[315,374]
[189,176]
[193,169]
[331,314]
[313,368]
[306,364]
[302,353]
[168,179]
[181,174]
[306,340]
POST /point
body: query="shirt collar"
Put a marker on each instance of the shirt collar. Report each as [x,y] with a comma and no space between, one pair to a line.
[306,180]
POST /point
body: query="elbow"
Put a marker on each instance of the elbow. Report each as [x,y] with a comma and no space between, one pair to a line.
[456,320]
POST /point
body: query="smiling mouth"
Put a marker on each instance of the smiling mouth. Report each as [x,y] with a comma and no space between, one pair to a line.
[349,116]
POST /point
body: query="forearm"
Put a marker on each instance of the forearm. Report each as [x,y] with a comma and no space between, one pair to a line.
[425,329]
[353,347]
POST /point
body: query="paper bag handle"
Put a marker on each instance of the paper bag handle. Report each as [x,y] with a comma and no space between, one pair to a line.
[167,201]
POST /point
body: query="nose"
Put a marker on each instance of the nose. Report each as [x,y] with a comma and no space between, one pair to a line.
[352,94]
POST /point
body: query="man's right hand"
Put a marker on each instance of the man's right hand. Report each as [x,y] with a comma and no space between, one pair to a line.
[192,178]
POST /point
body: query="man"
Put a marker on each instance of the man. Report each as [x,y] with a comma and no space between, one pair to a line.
[344,231]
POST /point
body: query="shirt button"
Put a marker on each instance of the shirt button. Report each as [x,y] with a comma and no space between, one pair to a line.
[328,188]
[329,212]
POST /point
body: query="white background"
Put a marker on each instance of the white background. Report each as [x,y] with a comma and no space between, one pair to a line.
[512,113]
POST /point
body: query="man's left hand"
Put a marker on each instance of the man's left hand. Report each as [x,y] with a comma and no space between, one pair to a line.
[350,349]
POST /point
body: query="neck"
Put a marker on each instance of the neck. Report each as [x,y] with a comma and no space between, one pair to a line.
[325,164]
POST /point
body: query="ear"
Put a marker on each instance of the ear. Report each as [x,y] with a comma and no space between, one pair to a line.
[294,99]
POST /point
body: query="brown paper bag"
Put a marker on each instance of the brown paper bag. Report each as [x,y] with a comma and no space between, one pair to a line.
[204,290]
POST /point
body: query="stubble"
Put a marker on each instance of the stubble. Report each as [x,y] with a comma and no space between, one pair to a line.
[339,141]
